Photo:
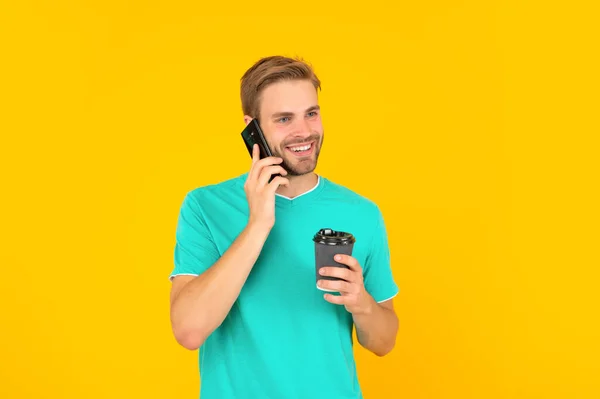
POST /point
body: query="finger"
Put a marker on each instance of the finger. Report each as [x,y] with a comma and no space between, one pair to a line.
[348,261]
[338,286]
[268,161]
[265,162]
[255,154]
[255,159]
[260,164]
[336,299]
[267,172]
[277,181]
[339,272]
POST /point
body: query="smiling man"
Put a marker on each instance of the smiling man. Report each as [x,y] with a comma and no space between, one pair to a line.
[243,285]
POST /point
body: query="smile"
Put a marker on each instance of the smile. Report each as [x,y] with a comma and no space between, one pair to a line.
[301,150]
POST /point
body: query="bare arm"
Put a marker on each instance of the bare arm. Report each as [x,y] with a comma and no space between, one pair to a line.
[200,304]
[376,328]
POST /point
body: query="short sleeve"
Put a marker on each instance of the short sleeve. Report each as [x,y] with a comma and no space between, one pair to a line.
[378,279]
[195,250]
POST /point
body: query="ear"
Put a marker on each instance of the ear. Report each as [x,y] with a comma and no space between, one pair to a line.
[247,119]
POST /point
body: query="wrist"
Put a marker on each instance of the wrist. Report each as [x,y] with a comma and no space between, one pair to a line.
[257,229]
[367,307]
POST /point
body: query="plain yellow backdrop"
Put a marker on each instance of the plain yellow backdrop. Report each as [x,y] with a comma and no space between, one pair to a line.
[470,123]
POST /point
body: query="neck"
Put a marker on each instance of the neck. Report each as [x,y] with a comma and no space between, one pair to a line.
[298,185]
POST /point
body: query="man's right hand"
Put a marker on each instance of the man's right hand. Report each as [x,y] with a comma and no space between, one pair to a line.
[259,192]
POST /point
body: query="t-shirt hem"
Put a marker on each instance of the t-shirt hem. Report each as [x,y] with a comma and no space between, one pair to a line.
[387,298]
[181,274]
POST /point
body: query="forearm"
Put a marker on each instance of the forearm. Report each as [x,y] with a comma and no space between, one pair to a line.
[376,328]
[204,302]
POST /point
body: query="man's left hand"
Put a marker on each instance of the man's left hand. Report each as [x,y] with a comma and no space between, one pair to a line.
[353,294]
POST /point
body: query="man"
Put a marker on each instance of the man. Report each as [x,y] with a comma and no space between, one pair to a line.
[243,286]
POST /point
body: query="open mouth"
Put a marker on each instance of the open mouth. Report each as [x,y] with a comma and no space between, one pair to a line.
[301,150]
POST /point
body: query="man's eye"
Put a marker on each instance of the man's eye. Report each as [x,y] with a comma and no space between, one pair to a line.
[283,119]
[312,113]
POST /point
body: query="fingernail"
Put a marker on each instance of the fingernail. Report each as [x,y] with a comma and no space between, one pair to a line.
[338,257]
[321,271]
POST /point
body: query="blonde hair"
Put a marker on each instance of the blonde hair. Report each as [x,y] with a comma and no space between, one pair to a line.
[270,70]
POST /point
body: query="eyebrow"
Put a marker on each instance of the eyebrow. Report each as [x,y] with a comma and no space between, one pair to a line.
[282,114]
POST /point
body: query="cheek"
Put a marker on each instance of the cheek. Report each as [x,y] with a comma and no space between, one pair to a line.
[277,139]
[315,124]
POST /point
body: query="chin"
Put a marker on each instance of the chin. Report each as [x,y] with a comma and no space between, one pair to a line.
[302,168]
[300,164]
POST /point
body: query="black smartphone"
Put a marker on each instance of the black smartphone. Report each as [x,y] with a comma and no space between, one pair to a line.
[252,134]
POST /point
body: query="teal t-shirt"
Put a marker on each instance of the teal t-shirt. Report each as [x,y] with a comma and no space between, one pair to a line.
[281,338]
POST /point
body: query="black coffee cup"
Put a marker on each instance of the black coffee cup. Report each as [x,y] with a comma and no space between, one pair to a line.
[329,243]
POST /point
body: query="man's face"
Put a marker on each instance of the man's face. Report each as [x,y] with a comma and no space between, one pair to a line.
[291,121]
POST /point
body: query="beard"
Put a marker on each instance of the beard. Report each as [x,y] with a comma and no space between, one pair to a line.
[300,166]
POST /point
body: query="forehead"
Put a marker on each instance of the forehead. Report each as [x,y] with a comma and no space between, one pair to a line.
[288,96]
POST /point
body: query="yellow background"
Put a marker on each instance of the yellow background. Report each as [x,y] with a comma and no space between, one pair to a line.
[469,122]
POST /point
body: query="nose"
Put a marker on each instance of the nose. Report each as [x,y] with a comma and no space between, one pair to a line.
[302,128]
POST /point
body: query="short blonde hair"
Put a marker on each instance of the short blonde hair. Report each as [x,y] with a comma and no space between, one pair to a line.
[270,70]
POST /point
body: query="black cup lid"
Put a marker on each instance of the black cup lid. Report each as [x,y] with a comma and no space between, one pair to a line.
[329,236]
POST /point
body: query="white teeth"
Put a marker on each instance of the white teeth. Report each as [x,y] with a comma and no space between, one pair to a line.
[302,148]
